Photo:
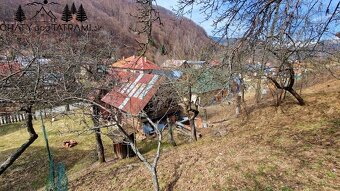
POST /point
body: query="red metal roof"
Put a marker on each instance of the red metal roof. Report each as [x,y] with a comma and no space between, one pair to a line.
[133,92]
[136,63]
[9,68]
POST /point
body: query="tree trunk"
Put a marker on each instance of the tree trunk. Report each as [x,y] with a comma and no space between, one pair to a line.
[100,147]
[99,142]
[205,118]
[297,96]
[242,88]
[258,93]
[192,114]
[193,128]
[155,179]
[289,88]
[67,108]
[171,122]
[238,105]
[33,136]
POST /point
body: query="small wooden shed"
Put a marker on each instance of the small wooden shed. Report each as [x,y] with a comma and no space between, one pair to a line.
[121,145]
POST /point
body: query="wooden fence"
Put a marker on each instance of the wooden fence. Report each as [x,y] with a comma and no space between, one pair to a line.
[12,118]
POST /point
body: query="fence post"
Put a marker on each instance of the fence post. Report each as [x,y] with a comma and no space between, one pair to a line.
[6,119]
[10,118]
[16,117]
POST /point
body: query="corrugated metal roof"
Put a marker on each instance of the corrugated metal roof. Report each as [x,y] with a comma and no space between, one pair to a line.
[133,92]
[136,63]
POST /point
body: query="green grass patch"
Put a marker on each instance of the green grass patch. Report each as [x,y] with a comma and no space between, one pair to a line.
[30,170]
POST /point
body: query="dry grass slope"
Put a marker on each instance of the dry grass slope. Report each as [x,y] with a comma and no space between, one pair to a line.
[286,148]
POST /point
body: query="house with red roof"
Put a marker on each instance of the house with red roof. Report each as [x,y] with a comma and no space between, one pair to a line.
[136,94]
[133,91]
[135,64]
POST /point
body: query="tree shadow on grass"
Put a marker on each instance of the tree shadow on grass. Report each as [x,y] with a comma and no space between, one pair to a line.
[11,128]
[151,145]
[176,176]
[147,146]
[30,171]
[318,135]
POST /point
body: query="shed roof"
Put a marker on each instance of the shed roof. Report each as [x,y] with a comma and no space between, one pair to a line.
[133,92]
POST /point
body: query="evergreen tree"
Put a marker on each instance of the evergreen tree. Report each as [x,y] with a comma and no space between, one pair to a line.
[73,9]
[67,15]
[20,15]
[81,14]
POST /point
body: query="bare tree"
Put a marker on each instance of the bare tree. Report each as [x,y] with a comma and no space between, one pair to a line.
[25,88]
[286,30]
[33,136]
[50,70]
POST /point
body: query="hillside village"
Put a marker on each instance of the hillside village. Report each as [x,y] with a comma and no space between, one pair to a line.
[137,104]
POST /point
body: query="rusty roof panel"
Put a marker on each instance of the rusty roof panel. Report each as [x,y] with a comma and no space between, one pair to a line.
[135,63]
[133,92]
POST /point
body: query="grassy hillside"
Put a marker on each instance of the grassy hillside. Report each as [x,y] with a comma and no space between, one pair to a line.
[30,171]
[286,148]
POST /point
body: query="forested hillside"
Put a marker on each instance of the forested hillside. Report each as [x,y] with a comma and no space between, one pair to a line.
[174,37]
